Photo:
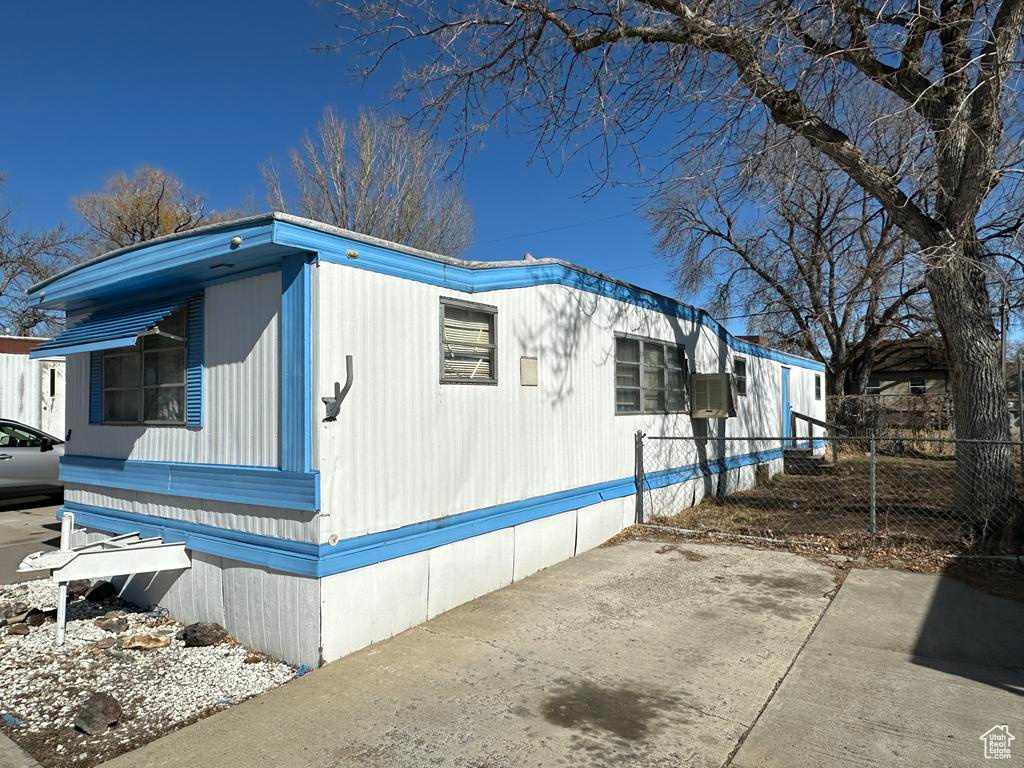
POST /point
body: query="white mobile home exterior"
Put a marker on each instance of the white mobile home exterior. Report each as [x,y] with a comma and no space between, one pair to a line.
[311,538]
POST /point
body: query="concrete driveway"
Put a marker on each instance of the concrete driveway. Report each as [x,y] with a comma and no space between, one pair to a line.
[905,669]
[644,654]
[26,526]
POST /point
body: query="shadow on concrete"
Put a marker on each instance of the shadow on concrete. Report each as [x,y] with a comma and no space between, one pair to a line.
[971,632]
[29,502]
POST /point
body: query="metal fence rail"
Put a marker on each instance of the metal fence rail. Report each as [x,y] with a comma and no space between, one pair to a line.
[936,491]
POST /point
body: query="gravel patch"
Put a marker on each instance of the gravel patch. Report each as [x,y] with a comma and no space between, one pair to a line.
[45,686]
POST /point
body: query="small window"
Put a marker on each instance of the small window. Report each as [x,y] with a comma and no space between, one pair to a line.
[145,384]
[467,343]
[817,386]
[650,376]
[739,372]
[918,385]
[874,387]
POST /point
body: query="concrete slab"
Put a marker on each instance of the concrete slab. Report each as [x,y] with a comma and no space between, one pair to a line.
[905,669]
[25,527]
[13,756]
[642,654]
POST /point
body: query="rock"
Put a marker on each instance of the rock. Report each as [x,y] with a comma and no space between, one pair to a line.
[18,629]
[105,642]
[838,558]
[202,634]
[37,618]
[78,588]
[15,609]
[145,642]
[100,591]
[99,712]
[15,613]
[114,624]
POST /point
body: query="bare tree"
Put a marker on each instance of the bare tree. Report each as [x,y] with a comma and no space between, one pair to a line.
[388,180]
[814,263]
[609,70]
[148,204]
[26,258]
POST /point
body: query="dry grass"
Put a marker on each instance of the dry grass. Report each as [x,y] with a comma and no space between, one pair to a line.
[914,500]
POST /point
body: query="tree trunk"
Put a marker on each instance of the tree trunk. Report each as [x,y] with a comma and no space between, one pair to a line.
[985,491]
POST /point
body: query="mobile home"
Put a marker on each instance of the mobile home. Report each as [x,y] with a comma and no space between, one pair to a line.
[31,390]
[352,436]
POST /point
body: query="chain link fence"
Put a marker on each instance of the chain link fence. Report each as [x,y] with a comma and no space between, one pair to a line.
[955,496]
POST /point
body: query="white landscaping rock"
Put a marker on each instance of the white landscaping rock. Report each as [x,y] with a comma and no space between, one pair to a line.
[159,690]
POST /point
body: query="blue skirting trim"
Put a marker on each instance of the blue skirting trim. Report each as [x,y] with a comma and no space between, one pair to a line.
[260,486]
[307,559]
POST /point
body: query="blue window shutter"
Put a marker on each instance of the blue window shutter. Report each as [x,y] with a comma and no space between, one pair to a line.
[194,364]
[96,387]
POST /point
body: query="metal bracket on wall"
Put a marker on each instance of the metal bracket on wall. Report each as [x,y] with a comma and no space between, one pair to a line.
[333,404]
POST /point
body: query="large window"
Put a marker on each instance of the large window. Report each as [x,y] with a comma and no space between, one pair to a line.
[467,343]
[650,376]
[145,384]
[918,385]
[874,387]
[817,386]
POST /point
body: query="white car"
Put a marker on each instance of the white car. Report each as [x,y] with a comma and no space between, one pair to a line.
[29,460]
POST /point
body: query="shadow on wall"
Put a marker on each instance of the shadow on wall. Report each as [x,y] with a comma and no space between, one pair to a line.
[973,634]
[230,338]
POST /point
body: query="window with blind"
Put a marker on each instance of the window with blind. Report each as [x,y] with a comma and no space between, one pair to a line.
[145,383]
[467,343]
[650,376]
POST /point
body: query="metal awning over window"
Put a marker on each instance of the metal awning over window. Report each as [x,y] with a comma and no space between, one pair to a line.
[109,328]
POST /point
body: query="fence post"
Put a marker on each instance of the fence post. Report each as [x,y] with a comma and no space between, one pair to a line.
[1020,412]
[872,526]
[638,474]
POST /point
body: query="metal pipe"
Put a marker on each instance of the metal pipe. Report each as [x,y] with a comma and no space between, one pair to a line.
[872,524]
[67,527]
[638,474]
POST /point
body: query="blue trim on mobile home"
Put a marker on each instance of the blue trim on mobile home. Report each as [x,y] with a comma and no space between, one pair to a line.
[296,357]
[307,559]
[259,486]
[199,258]
[95,387]
[195,359]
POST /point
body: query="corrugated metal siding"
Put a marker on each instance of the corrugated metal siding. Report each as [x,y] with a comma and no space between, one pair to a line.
[406,448]
[265,521]
[241,389]
[25,395]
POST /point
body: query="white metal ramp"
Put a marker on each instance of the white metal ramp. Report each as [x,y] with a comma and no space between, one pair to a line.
[122,555]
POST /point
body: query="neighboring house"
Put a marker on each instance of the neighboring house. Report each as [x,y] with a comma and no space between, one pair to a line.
[31,391]
[352,436]
[909,367]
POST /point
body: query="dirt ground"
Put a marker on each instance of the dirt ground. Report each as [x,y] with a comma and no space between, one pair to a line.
[915,504]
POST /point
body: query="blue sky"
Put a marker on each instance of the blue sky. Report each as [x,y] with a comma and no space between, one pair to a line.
[209,90]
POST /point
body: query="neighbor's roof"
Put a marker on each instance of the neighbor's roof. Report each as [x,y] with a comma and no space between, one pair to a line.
[19,345]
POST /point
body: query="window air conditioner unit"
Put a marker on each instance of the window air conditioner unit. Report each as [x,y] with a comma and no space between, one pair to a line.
[712,396]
